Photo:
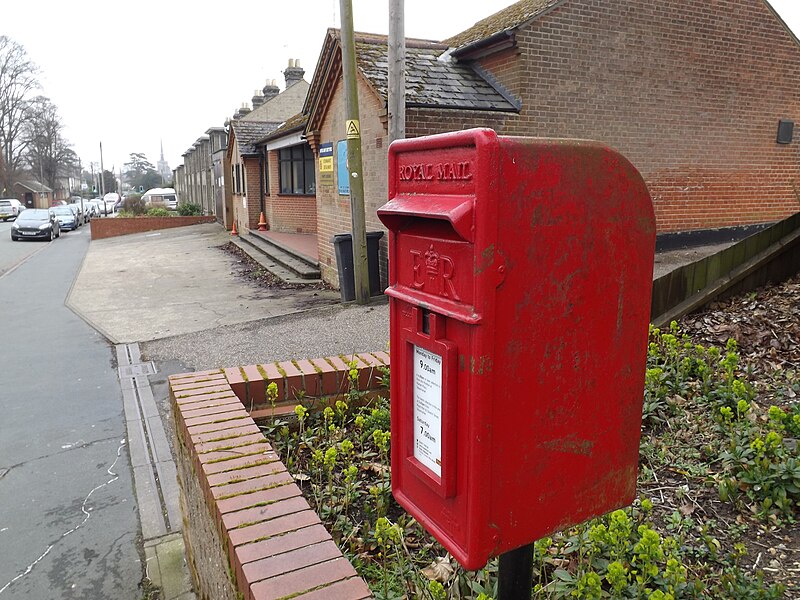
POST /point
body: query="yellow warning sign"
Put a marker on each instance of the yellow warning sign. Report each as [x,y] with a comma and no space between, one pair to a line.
[353,130]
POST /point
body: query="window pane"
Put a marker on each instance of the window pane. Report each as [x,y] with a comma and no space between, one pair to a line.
[297,177]
[286,177]
[285,154]
[310,176]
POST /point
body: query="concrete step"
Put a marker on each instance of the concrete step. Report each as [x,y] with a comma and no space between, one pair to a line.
[272,265]
[312,262]
[303,266]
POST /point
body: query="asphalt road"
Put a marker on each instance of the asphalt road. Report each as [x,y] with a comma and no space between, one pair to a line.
[68,517]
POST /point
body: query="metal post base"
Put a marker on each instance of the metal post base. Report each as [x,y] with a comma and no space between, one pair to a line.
[515,574]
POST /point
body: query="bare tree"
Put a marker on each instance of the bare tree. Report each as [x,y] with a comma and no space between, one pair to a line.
[48,153]
[17,82]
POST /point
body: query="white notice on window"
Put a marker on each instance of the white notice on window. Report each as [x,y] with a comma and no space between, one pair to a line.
[428,409]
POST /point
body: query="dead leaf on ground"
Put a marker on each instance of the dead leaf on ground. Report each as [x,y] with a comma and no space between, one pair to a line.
[440,570]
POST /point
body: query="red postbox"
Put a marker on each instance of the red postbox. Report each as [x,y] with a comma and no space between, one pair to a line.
[520,274]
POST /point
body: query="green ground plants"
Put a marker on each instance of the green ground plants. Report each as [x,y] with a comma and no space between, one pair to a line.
[717,470]
[189,209]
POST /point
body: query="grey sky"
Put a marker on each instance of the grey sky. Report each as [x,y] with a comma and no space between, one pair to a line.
[130,74]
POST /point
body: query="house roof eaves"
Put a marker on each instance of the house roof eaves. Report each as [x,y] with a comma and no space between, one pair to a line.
[502,109]
[282,133]
[503,21]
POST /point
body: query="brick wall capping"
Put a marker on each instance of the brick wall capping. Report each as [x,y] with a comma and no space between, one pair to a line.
[249,532]
[106,228]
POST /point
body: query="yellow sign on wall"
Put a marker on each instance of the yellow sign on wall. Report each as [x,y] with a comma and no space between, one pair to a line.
[326,164]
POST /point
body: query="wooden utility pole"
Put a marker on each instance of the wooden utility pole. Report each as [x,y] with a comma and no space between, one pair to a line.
[353,134]
[102,173]
[397,70]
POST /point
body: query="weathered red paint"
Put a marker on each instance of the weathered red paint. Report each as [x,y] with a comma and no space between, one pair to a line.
[529,275]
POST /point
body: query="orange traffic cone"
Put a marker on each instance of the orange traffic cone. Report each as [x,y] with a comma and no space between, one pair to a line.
[262,222]
[233,229]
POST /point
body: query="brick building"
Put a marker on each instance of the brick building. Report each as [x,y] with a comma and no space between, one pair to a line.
[245,161]
[692,92]
[33,194]
[290,204]
[218,145]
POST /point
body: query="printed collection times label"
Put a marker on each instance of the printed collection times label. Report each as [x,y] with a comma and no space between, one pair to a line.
[428,409]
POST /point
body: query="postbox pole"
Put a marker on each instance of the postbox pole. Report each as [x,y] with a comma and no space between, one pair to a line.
[353,132]
[515,574]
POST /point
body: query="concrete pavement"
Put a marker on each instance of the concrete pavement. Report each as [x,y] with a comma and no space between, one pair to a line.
[152,285]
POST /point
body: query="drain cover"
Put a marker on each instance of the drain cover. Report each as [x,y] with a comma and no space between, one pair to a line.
[136,370]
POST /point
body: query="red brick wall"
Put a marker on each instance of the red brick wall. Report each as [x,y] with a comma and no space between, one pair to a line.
[288,213]
[691,92]
[426,121]
[105,228]
[249,532]
[333,210]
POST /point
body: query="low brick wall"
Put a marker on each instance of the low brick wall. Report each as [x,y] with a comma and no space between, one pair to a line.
[313,379]
[249,532]
[112,227]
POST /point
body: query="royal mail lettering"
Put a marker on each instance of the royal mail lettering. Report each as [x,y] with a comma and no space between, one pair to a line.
[416,172]
[447,171]
[455,171]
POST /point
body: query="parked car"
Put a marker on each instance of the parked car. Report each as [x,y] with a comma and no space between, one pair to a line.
[10,208]
[165,197]
[103,208]
[85,208]
[67,219]
[76,210]
[94,210]
[35,223]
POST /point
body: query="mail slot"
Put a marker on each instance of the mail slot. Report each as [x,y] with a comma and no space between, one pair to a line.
[520,274]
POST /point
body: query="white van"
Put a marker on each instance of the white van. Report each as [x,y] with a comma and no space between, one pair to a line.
[165,197]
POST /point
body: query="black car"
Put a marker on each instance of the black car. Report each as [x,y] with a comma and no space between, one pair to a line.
[35,223]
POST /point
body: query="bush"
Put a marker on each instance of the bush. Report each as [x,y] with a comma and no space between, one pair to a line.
[190,209]
[157,212]
[133,204]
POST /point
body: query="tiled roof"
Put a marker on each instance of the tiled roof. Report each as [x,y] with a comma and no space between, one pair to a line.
[291,124]
[34,186]
[429,81]
[508,18]
[249,132]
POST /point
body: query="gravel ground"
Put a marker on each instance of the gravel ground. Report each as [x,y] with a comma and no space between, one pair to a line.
[339,329]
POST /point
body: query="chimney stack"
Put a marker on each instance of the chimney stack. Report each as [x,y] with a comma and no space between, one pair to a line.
[258,99]
[270,90]
[293,73]
[245,109]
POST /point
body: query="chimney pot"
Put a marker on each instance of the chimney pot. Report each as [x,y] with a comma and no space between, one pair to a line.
[258,99]
[293,73]
[270,90]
